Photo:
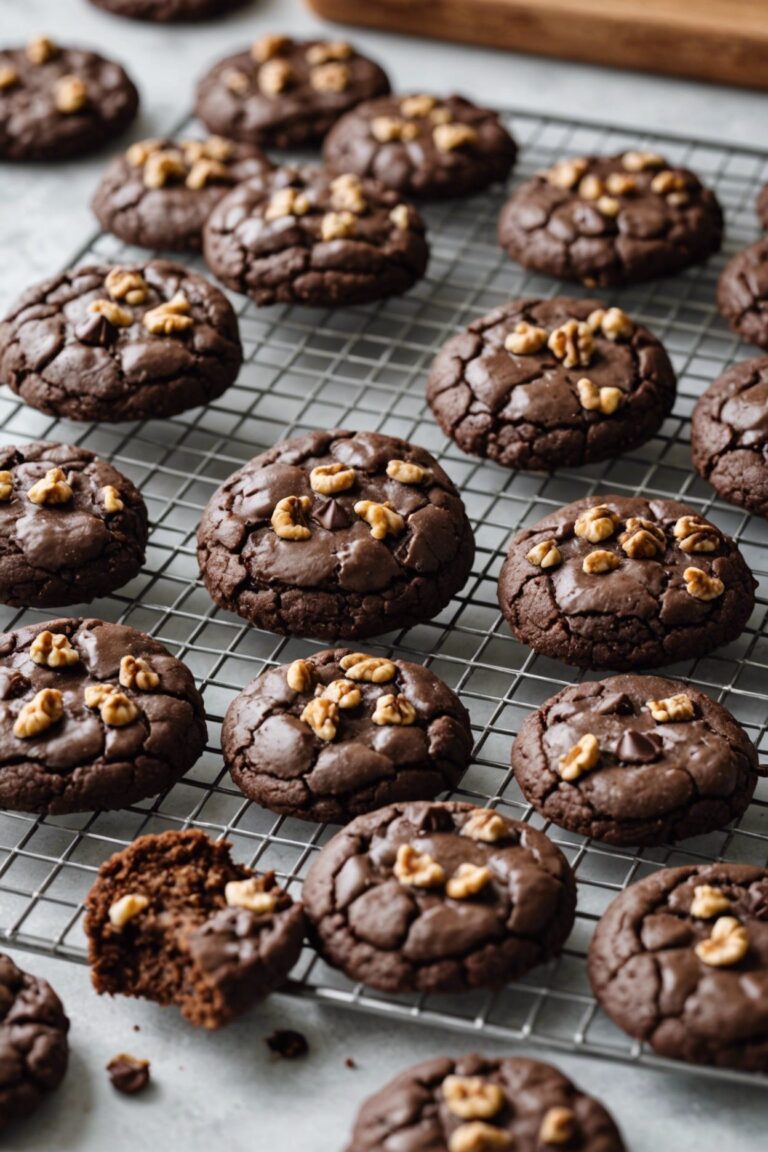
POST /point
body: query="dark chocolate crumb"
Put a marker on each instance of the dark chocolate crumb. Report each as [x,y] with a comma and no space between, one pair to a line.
[128,1073]
[288,1044]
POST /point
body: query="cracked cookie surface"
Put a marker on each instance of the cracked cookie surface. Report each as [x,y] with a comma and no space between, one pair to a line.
[173,919]
[421,146]
[439,897]
[58,102]
[52,554]
[655,971]
[92,715]
[318,537]
[611,220]
[501,391]
[729,435]
[33,1041]
[654,780]
[376,751]
[284,93]
[623,582]
[527,1101]
[742,293]
[301,236]
[168,11]
[77,346]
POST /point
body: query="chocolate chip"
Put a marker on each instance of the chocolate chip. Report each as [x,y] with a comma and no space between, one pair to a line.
[12,683]
[288,1044]
[96,330]
[614,702]
[639,747]
[330,514]
[128,1074]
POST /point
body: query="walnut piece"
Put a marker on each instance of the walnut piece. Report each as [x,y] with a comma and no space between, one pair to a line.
[162,167]
[672,708]
[169,318]
[287,202]
[331,77]
[643,539]
[407,473]
[596,523]
[701,585]
[394,709]
[136,672]
[114,313]
[237,81]
[9,77]
[206,171]
[417,107]
[286,518]
[593,399]
[616,325]
[328,50]
[300,676]
[526,339]
[212,148]
[472,1097]
[115,708]
[6,486]
[468,880]
[110,498]
[385,129]
[126,284]
[250,894]
[477,1136]
[599,562]
[620,184]
[382,518]
[342,692]
[338,225]
[347,194]
[640,161]
[558,1126]
[44,709]
[708,902]
[267,47]
[41,49]
[274,77]
[608,205]
[53,650]
[52,489]
[401,217]
[566,173]
[545,554]
[728,943]
[127,908]
[449,137]
[138,153]
[668,181]
[591,187]
[373,669]
[572,343]
[327,479]
[417,869]
[485,825]
[696,535]
[70,94]
[322,715]
[583,757]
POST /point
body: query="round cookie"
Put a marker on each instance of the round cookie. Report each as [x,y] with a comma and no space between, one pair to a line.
[610,220]
[742,293]
[545,384]
[212,942]
[729,435]
[680,960]
[169,11]
[57,103]
[340,733]
[71,526]
[336,534]
[284,93]
[623,582]
[299,236]
[478,1102]
[635,760]
[92,716]
[139,342]
[160,192]
[33,1041]
[431,897]
[421,146]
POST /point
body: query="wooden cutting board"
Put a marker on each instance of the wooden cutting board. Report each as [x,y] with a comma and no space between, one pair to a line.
[721,40]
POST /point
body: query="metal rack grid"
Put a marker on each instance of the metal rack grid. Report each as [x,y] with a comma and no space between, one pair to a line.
[365,368]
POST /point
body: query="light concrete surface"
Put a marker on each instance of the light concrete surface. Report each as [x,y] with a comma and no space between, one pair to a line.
[226,1086]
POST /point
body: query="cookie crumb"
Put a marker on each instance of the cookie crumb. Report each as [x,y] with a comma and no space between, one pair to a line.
[350,1063]
[128,1074]
[286,1043]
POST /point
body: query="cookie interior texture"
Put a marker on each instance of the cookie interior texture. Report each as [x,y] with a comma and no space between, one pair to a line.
[643,778]
[729,435]
[33,1041]
[188,944]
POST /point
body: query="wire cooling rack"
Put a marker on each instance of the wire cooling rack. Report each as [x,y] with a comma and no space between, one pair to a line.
[365,368]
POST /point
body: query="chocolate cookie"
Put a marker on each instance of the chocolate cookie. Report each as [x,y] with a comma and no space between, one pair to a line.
[71,526]
[168,11]
[299,236]
[421,146]
[212,942]
[283,92]
[623,582]
[729,435]
[160,192]
[545,384]
[33,1041]
[433,897]
[124,343]
[680,960]
[336,534]
[607,220]
[476,1104]
[92,715]
[340,733]
[635,760]
[742,293]
[56,103]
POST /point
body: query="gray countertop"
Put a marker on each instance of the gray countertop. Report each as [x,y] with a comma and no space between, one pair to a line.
[228,1084]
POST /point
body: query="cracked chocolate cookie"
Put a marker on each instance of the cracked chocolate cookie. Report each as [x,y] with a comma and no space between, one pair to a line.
[340,733]
[742,293]
[92,715]
[609,220]
[635,760]
[284,92]
[680,960]
[729,436]
[336,534]
[421,146]
[301,236]
[626,583]
[139,342]
[33,1041]
[169,11]
[545,384]
[478,1104]
[433,897]
[173,919]
[160,192]
[71,526]
[57,103]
